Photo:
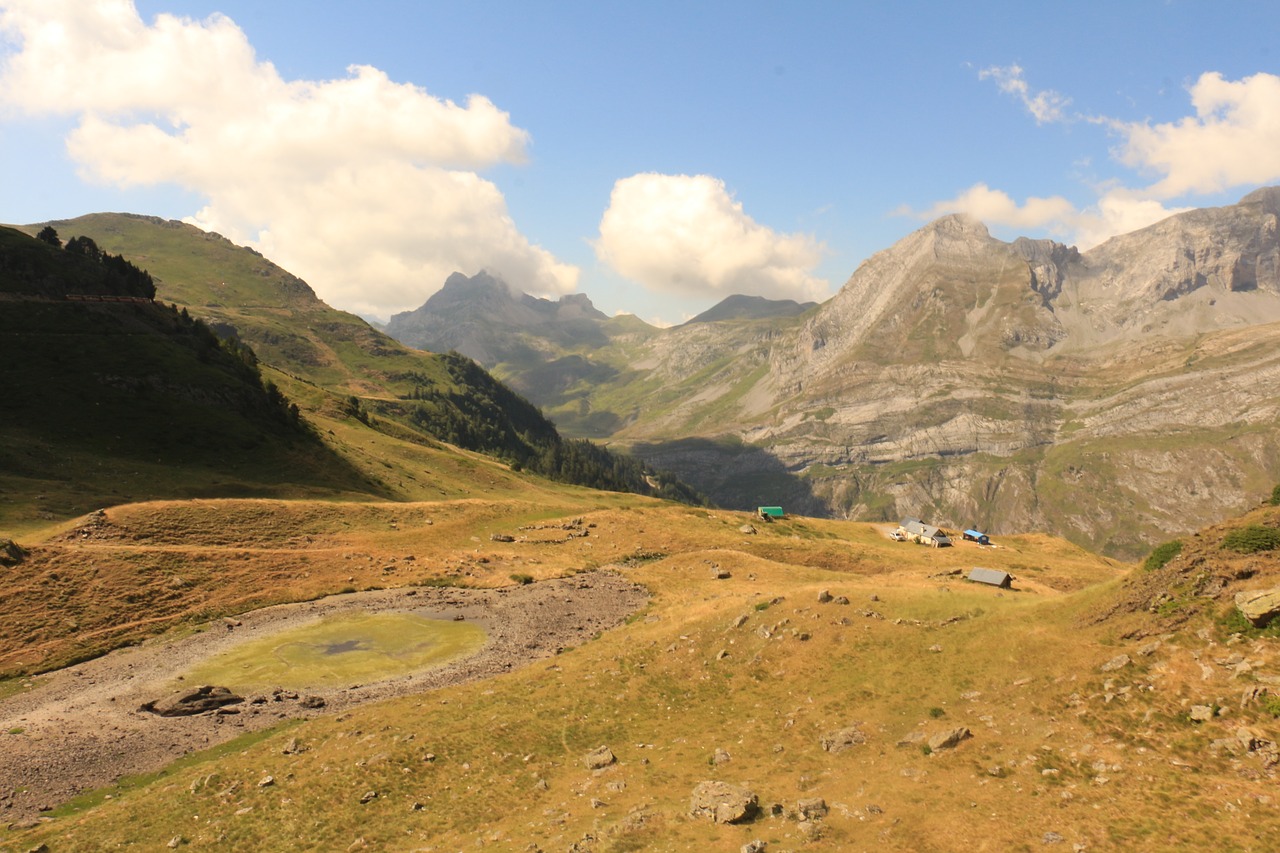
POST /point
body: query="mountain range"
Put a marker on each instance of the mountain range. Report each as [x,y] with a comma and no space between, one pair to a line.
[1117,396]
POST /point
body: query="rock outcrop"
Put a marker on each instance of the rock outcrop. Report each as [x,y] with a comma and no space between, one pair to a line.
[723,802]
[188,703]
[1259,606]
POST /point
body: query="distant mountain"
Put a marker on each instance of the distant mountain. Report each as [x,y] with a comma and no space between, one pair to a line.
[739,307]
[1117,396]
[548,351]
[484,319]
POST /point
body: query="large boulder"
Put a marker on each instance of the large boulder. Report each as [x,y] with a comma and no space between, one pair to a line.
[187,703]
[723,802]
[599,757]
[949,739]
[843,739]
[1259,606]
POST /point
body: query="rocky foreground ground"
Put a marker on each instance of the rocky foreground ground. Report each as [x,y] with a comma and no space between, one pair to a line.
[82,727]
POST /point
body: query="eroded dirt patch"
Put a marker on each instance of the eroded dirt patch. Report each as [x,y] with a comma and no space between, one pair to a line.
[82,728]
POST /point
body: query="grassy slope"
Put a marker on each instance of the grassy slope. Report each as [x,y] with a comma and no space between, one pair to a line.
[272,310]
[1050,753]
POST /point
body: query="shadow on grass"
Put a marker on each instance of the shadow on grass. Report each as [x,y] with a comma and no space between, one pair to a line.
[733,475]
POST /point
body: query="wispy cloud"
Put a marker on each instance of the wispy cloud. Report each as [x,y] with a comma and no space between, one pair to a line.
[367,187]
[1045,105]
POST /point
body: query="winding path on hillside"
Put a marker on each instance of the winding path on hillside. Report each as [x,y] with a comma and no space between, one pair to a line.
[80,728]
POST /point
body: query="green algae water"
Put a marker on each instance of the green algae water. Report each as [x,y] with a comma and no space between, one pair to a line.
[356,648]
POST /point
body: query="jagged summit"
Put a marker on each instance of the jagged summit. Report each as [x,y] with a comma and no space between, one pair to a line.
[483,317]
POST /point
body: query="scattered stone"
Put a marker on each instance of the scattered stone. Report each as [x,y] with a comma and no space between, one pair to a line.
[598,804]
[429,757]
[723,802]
[311,702]
[369,797]
[599,757]
[501,537]
[722,654]
[1259,606]
[756,846]
[1149,649]
[721,756]
[911,739]
[824,596]
[718,573]
[949,739]
[1052,838]
[266,781]
[292,747]
[935,648]
[840,599]
[541,785]
[187,703]
[1117,662]
[846,738]
[814,808]
[740,621]
[1201,713]
[747,529]
[174,843]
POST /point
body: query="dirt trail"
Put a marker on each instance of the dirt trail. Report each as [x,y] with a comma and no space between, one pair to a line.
[80,727]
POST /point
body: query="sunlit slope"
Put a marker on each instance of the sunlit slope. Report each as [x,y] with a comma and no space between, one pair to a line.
[275,312]
[741,679]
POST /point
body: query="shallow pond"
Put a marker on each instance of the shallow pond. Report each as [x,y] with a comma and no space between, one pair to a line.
[356,648]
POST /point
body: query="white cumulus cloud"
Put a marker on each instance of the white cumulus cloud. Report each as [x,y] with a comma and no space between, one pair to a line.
[996,207]
[1232,140]
[366,187]
[686,234]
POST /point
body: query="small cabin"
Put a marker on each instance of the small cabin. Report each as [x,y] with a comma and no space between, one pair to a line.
[769,513]
[926,534]
[977,536]
[992,577]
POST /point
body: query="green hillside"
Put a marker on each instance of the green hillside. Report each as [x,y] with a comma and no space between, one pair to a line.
[332,364]
[114,401]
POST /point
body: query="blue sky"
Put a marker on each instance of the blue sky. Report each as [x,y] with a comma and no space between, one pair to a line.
[657,156]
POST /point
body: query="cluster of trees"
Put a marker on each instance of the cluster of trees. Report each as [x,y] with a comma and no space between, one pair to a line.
[480,413]
[117,276]
[236,356]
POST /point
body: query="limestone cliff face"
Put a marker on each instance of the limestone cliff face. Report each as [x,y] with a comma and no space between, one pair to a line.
[1118,396]
[1200,270]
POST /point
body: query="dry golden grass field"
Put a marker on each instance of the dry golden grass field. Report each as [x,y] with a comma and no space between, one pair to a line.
[1082,689]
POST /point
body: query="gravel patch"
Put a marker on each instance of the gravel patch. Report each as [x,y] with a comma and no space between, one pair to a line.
[81,727]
